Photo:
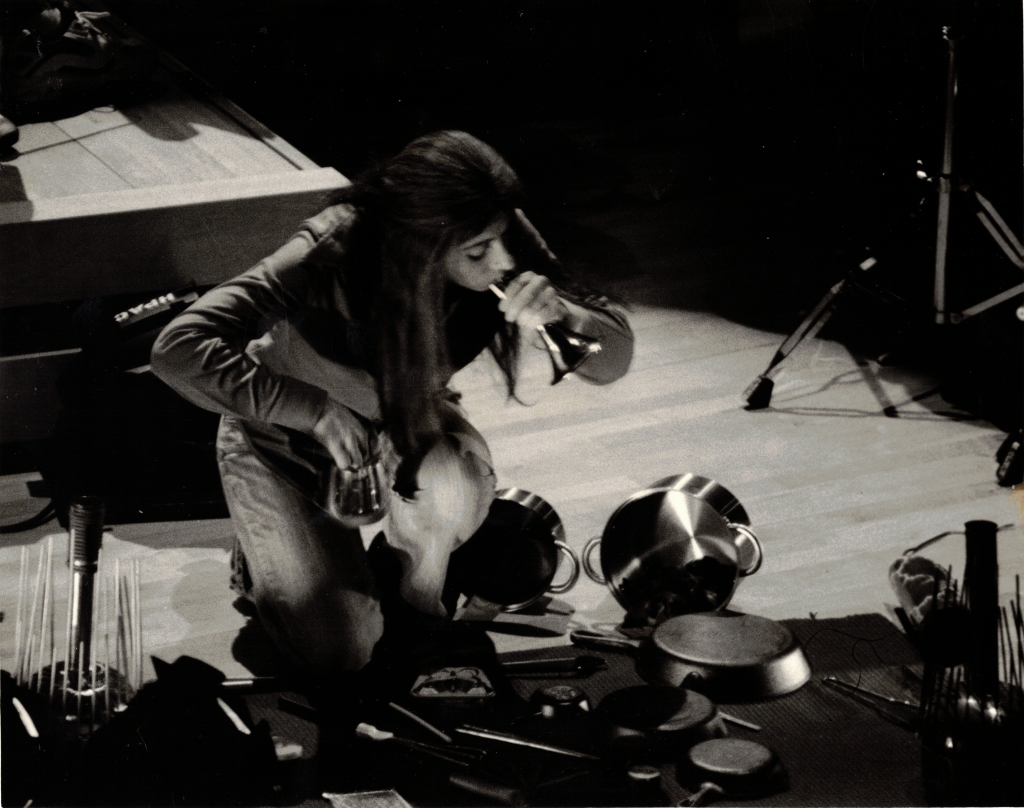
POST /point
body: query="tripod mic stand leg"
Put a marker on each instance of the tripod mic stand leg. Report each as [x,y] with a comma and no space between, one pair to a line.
[1000,231]
[758,394]
[945,185]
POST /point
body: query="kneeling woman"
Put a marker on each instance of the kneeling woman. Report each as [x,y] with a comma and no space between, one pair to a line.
[352,329]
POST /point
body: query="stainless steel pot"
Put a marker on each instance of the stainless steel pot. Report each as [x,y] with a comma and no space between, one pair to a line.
[722,500]
[666,552]
[512,559]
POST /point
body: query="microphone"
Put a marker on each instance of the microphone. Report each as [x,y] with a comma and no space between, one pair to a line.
[85,520]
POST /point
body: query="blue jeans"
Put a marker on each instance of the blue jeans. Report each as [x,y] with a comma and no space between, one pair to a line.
[308,574]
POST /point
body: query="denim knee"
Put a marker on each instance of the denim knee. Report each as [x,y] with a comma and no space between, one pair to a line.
[328,631]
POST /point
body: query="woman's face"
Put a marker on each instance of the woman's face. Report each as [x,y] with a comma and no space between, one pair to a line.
[481,260]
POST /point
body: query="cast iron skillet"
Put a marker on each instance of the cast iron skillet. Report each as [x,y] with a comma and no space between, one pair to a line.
[728,656]
[655,722]
[730,767]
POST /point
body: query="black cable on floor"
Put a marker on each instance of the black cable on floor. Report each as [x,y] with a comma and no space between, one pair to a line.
[41,518]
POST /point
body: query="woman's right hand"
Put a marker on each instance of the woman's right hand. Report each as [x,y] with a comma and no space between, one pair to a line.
[343,434]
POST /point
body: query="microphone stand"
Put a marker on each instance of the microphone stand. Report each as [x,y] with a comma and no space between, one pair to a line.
[85,538]
[758,394]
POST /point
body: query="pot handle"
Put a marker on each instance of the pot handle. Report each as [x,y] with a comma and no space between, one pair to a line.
[749,534]
[588,565]
[574,576]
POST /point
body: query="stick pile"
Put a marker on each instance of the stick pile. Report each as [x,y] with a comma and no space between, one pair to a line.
[87,684]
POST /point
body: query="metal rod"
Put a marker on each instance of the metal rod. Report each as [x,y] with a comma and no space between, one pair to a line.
[833,681]
[422,722]
[732,719]
[945,185]
[78,710]
[517,740]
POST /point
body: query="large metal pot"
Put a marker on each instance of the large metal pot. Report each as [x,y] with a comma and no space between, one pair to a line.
[512,559]
[722,500]
[666,552]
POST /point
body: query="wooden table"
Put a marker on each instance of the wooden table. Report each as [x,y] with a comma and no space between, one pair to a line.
[182,187]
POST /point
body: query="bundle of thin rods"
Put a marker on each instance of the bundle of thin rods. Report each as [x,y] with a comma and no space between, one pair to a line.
[972,701]
[947,685]
[84,685]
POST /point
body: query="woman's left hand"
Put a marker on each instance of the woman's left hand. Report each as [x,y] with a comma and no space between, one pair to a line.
[531,301]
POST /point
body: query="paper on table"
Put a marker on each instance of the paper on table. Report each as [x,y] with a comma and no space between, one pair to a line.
[385,798]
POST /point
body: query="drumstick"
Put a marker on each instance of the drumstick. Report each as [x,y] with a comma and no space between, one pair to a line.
[119,640]
[26,719]
[30,641]
[53,652]
[47,615]
[371,732]
[93,645]
[137,616]
[65,674]
[125,630]
[105,600]
[22,581]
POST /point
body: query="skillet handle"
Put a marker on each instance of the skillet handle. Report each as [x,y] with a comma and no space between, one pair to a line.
[600,639]
[707,792]
[755,542]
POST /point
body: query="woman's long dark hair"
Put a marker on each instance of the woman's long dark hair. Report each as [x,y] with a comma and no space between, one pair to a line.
[440,191]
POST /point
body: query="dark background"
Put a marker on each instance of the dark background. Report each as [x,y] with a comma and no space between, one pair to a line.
[729,156]
[756,145]
[844,91]
[800,121]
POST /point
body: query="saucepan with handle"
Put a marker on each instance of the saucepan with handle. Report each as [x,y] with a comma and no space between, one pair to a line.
[512,559]
[666,551]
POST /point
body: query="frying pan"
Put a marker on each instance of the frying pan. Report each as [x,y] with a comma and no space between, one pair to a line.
[656,722]
[730,767]
[728,656]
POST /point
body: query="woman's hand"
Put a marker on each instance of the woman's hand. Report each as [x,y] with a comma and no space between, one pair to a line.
[531,301]
[343,435]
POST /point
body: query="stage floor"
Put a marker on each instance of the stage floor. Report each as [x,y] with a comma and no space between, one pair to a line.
[835,489]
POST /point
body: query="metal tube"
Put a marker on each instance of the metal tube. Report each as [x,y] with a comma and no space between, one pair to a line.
[945,186]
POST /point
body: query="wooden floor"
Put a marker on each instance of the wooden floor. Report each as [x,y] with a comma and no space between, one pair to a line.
[836,488]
